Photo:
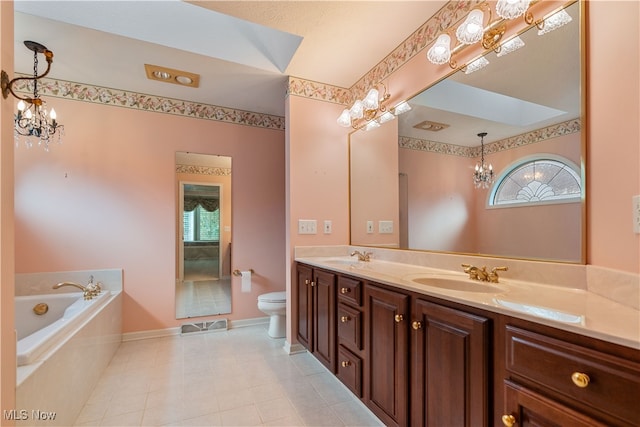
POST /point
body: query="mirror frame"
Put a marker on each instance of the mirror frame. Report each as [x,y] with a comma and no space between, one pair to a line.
[582,13]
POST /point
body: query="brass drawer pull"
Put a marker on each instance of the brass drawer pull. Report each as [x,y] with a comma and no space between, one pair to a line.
[398,318]
[345,290]
[580,379]
[345,319]
[345,364]
[508,420]
[416,325]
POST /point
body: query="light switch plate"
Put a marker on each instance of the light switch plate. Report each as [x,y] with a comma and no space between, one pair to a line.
[327,226]
[307,226]
[385,227]
[369,227]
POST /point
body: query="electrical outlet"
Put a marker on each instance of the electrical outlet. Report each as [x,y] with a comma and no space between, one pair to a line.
[327,226]
[385,227]
[369,227]
[307,226]
[636,214]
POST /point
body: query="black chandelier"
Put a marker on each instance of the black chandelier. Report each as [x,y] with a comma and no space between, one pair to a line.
[32,119]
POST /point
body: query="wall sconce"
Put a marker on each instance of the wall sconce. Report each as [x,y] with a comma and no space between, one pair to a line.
[370,112]
[33,120]
[483,174]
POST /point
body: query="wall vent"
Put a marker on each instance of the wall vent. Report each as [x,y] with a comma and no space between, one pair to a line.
[207,326]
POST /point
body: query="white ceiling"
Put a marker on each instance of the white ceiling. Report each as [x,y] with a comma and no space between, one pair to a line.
[243,50]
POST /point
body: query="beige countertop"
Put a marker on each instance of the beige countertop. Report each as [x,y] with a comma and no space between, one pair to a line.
[575,310]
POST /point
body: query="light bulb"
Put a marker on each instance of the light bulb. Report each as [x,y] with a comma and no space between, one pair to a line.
[345,119]
[370,102]
[21,105]
[511,9]
[52,114]
[440,52]
[472,28]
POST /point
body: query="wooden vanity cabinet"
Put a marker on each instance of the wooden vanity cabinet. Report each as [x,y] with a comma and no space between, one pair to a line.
[350,333]
[554,377]
[386,375]
[450,372]
[316,320]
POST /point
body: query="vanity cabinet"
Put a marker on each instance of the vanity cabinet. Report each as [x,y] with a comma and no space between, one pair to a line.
[350,328]
[386,377]
[551,379]
[449,366]
[316,320]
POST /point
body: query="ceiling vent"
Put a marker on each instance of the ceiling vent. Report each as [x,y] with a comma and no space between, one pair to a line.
[169,75]
[431,126]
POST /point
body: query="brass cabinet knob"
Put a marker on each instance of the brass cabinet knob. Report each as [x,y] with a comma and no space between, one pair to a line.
[345,290]
[416,325]
[509,420]
[306,281]
[399,318]
[345,319]
[580,379]
[313,283]
[345,363]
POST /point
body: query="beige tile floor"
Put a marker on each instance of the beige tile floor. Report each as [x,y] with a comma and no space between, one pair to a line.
[239,377]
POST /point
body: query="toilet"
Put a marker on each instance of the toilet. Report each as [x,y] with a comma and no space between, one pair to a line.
[274,304]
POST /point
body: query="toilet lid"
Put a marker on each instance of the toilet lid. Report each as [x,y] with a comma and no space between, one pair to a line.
[273,297]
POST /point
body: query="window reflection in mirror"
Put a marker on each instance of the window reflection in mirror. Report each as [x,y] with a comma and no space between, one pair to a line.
[203,230]
[439,208]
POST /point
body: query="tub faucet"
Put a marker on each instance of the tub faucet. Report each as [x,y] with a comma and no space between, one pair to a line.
[362,256]
[93,288]
[87,293]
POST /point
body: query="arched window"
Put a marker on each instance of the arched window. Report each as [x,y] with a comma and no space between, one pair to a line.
[538,180]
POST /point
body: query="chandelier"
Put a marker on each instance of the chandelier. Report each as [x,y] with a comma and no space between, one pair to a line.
[473,30]
[483,174]
[32,120]
[371,111]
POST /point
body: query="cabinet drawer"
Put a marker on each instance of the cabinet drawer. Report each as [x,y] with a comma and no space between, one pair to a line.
[612,384]
[350,370]
[350,290]
[350,326]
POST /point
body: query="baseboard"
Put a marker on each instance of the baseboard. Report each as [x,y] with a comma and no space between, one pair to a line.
[293,348]
[161,333]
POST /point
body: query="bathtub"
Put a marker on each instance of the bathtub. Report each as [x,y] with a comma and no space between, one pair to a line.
[39,334]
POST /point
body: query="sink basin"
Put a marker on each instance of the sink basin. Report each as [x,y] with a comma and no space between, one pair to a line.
[544,312]
[455,284]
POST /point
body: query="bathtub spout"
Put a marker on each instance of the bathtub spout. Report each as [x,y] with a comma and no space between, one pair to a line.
[88,293]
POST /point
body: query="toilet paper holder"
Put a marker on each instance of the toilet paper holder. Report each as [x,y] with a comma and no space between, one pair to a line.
[238,273]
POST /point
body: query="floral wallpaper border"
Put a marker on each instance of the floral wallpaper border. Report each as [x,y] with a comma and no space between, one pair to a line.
[203,170]
[138,101]
[449,14]
[560,129]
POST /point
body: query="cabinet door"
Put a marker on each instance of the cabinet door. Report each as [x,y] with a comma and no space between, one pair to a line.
[386,355]
[449,367]
[324,325]
[304,302]
[524,408]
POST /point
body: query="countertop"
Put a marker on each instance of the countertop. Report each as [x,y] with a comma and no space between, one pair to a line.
[574,310]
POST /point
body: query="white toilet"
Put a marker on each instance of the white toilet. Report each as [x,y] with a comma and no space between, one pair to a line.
[275,305]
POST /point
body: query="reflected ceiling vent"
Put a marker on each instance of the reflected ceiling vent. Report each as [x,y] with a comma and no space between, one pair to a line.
[431,126]
[169,75]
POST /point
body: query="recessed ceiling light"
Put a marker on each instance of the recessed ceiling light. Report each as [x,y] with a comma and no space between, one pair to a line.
[185,80]
[169,75]
[431,126]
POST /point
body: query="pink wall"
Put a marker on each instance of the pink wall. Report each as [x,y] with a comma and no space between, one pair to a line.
[613,170]
[106,198]
[7,291]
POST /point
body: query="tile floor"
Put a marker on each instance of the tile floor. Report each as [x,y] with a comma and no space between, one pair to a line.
[195,298]
[239,377]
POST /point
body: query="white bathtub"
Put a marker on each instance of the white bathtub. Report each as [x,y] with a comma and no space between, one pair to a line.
[40,334]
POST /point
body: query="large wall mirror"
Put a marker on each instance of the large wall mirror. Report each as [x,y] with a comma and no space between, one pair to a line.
[203,230]
[529,104]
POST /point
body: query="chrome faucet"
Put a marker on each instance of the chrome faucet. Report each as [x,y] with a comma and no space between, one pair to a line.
[366,257]
[481,273]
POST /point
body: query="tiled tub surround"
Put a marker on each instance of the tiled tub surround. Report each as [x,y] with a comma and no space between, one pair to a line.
[587,300]
[63,377]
